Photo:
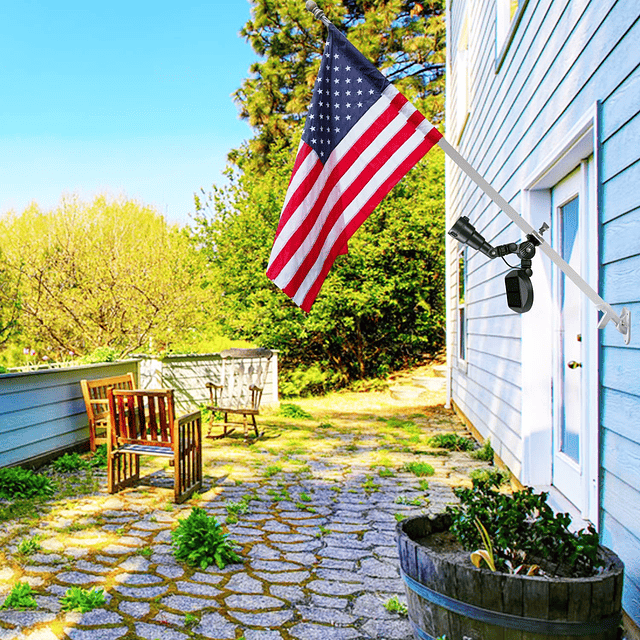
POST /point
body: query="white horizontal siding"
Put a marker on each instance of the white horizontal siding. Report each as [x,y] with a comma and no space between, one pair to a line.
[565,56]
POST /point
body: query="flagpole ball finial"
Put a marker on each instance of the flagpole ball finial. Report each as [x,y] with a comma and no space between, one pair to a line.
[317,12]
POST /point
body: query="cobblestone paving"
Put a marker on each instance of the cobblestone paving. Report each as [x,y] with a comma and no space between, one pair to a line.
[318,536]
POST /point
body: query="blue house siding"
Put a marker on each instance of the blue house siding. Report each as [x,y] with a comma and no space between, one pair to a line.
[42,412]
[566,57]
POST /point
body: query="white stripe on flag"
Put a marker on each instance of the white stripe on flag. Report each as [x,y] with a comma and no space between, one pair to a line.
[353,208]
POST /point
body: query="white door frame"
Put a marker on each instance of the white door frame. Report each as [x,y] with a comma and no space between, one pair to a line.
[538,342]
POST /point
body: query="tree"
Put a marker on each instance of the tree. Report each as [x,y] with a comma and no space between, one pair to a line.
[9,302]
[405,39]
[105,273]
[382,305]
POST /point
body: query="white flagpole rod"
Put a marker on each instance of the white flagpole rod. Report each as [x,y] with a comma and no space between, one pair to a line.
[622,321]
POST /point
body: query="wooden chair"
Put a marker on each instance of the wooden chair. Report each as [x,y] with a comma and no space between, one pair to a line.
[94,393]
[243,377]
[142,423]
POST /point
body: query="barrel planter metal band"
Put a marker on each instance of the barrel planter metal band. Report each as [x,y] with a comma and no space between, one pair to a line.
[448,596]
[534,625]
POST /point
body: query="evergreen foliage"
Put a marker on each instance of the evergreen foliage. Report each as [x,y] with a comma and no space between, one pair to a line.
[382,305]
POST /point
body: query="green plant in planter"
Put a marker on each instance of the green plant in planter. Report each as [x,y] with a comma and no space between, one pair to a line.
[523,530]
[199,540]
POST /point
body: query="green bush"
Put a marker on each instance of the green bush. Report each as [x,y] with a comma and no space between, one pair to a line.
[492,477]
[306,381]
[451,441]
[199,541]
[99,458]
[16,482]
[83,600]
[101,354]
[69,462]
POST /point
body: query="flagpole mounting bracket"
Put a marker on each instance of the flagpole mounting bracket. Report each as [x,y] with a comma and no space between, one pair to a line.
[317,12]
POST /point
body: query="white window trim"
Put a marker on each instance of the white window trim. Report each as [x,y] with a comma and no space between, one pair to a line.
[537,414]
[504,34]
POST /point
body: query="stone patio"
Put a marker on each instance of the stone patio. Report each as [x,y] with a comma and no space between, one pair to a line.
[321,497]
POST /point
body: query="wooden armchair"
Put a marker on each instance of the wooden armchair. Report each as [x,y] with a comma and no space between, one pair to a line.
[94,393]
[243,377]
[143,423]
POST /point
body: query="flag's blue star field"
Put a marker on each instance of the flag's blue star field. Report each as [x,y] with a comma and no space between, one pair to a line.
[345,89]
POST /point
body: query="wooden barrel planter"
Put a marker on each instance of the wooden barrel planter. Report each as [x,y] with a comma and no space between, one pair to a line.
[448,596]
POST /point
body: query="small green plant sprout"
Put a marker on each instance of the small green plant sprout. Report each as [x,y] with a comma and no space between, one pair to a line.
[28,546]
[83,600]
[99,458]
[485,554]
[451,441]
[271,470]
[399,517]
[420,469]
[199,541]
[288,410]
[190,620]
[385,472]
[305,497]
[69,463]
[414,502]
[20,597]
[370,485]
[424,484]
[145,552]
[484,453]
[393,605]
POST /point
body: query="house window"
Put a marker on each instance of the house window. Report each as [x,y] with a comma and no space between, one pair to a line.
[508,15]
[462,308]
[463,76]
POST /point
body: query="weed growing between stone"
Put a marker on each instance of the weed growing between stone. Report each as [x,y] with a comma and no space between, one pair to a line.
[83,600]
[199,541]
[20,597]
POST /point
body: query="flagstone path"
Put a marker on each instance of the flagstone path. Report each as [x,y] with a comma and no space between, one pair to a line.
[321,497]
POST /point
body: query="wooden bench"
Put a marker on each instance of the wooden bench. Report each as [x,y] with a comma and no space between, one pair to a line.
[143,423]
[242,381]
[94,393]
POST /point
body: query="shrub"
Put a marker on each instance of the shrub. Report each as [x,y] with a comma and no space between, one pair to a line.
[20,597]
[101,354]
[83,600]
[16,482]
[293,411]
[523,529]
[492,477]
[99,458]
[199,541]
[69,462]
[451,441]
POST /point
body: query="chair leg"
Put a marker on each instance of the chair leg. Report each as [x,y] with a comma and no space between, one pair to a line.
[123,471]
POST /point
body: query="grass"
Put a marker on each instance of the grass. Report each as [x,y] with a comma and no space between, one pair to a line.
[420,469]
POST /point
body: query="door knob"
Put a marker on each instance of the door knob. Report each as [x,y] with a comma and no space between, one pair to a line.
[574,365]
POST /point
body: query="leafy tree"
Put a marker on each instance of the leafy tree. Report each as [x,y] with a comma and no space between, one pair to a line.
[9,302]
[382,304]
[405,39]
[105,273]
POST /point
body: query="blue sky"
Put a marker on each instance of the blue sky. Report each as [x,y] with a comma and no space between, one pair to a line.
[121,97]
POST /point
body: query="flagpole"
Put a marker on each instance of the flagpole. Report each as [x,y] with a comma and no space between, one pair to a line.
[622,322]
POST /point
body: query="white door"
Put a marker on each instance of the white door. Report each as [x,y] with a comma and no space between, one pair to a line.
[569,206]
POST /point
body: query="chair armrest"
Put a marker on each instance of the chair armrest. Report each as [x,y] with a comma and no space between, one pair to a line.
[189,417]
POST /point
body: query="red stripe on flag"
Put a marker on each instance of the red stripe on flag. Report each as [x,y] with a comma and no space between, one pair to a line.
[346,198]
[306,225]
[410,161]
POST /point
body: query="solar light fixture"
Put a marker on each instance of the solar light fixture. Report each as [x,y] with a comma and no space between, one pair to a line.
[517,282]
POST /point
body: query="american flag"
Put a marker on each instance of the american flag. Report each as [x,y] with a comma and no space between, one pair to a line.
[361,137]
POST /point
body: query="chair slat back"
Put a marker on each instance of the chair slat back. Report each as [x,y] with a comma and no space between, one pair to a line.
[142,417]
[243,369]
[95,393]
